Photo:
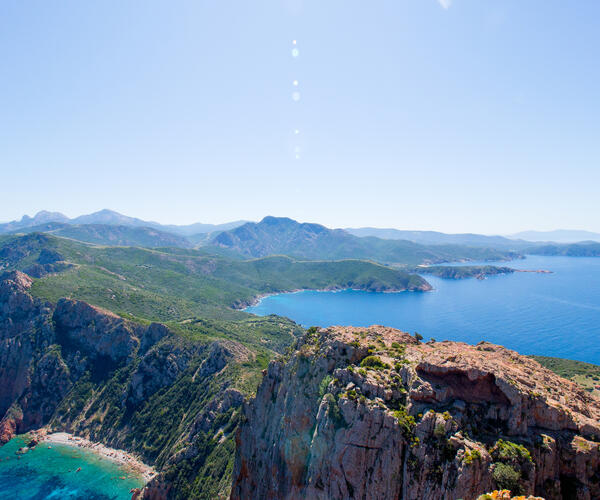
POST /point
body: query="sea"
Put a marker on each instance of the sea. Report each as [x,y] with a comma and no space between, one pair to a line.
[555,314]
[51,473]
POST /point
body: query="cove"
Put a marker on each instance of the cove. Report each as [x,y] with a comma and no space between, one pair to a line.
[51,473]
[554,314]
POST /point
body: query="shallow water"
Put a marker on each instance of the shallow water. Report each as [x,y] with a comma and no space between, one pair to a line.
[554,314]
[44,473]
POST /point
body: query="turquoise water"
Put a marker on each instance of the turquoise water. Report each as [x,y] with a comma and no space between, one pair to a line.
[52,473]
[551,314]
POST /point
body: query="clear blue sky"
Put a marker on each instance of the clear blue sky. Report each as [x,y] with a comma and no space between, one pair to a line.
[470,115]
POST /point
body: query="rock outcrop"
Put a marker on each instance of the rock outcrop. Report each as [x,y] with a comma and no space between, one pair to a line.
[82,369]
[373,413]
[98,333]
[44,350]
[25,329]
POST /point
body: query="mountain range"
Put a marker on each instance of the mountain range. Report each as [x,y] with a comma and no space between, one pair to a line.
[146,350]
[558,236]
[437,238]
[112,218]
[284,236]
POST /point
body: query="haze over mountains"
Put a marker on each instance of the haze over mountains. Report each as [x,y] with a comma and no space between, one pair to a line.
[284,236]
[435,237]
[558,236]
[112,218]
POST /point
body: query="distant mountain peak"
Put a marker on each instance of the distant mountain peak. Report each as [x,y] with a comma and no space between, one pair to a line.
[43,216]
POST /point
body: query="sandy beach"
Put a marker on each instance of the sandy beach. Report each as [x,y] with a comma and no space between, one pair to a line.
[123,458]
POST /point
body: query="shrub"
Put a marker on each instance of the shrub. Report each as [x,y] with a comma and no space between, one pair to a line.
[323,385]
[373,362]
[506,477]
[334,412]
[471,455]
[439,431]
[507,451]
[405,421]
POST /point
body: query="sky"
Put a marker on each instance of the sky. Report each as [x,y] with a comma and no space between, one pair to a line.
[450,115]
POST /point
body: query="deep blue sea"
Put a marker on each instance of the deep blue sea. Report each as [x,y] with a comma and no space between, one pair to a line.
[554,314]
[51,473]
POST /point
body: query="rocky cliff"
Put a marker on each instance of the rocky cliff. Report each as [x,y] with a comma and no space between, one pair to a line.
[78,368]
[373,413]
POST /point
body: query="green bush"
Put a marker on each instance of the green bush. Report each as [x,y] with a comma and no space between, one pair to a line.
[334,412]
[323,385]
[405,421]
[506,477]
[439,431]
[373,362]
[507,451]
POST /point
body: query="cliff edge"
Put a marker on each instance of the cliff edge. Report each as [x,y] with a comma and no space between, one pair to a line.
[373,413]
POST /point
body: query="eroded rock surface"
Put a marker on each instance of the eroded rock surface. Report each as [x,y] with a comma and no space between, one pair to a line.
[44,350]
[372,413]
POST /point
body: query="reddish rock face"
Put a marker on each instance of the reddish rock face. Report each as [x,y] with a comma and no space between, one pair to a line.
[44,351]
[415,421]
[20,315]
[97,332]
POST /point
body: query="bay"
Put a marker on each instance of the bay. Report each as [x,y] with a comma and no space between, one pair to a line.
[555,314]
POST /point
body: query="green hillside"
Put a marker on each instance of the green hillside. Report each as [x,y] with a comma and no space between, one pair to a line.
[168,398]
[586,375]
[177,284]
[113,235]
[283,236]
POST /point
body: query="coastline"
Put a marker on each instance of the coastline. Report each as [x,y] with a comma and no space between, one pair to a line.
[243,305]
[123,458]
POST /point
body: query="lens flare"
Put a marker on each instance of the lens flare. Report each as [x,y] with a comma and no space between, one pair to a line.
[296,96]
[295,52]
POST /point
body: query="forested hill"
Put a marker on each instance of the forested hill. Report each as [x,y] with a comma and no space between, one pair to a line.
[175,284]
[283,236]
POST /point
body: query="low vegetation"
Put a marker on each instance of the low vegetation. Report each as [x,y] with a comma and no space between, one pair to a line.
[586,375]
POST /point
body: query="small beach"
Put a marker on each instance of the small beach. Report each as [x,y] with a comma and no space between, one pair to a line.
[122,458]
[58,465]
